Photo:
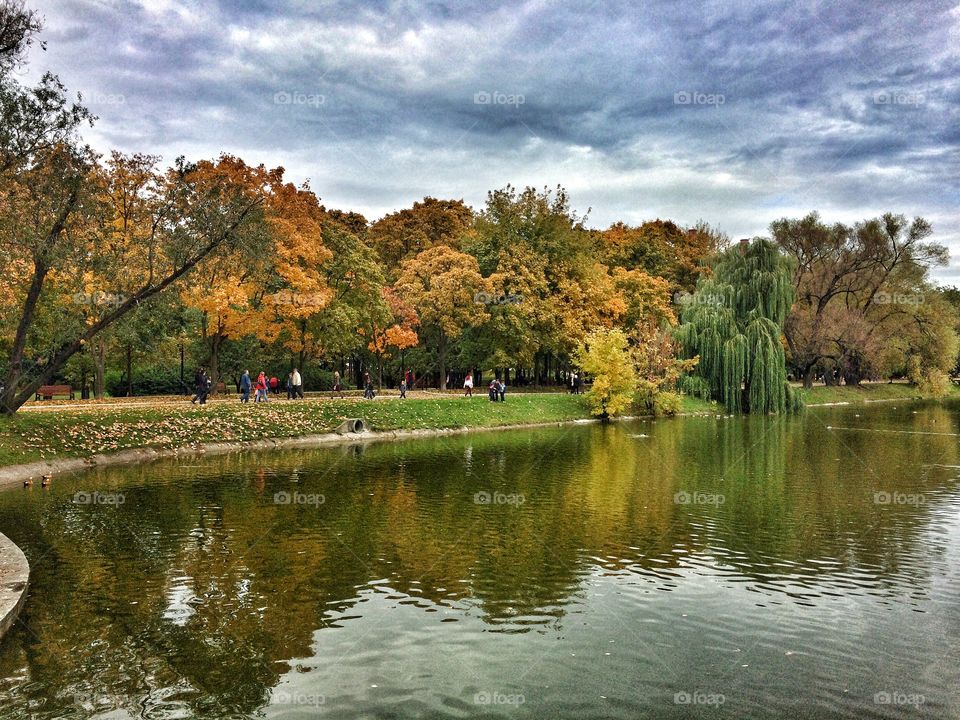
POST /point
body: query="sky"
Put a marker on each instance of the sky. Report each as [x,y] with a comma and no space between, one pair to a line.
[732,113]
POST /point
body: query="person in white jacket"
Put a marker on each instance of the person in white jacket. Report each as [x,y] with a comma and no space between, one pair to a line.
[296,381]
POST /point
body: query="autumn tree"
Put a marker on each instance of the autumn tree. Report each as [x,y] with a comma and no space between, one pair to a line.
[605,355]
[443,285]
[843,280]
[402,235]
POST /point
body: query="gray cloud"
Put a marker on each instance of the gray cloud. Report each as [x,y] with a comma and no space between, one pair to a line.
[737,113]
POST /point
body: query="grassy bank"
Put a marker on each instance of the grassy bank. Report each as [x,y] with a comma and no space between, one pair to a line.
[868,392]
[64,432]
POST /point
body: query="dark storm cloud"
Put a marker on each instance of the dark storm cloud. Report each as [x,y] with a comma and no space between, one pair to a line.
[736,113]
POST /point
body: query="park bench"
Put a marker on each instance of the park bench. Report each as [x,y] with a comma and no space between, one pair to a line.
[47,392]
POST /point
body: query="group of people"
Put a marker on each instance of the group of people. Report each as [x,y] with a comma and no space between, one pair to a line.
[496,390]
[262,386]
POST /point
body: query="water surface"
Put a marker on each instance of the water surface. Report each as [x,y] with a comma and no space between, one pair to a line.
[706,567]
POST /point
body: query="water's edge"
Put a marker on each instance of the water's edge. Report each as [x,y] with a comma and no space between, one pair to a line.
[14,580]
[16,474]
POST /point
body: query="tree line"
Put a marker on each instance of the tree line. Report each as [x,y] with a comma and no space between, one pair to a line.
[124,274]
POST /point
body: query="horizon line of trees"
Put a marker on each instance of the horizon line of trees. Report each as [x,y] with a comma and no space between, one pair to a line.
[124,275]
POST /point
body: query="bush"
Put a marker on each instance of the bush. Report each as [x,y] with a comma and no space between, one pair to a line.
[934,383]
[667,403]
[149,381]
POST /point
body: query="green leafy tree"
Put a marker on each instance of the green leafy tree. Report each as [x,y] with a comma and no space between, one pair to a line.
[734,324]
[605,355]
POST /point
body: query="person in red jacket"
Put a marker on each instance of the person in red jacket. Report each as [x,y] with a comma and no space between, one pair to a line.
[261,395]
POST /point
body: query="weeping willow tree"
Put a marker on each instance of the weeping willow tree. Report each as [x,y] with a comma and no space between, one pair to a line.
[734,322]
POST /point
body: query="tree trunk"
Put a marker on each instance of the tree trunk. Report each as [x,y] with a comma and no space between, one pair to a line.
[129,370]
[99,379]
[442,358]
[808,377]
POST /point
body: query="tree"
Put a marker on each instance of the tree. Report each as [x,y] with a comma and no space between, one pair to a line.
[442,284]
[200,210]
[734,322]
[605,356]
[843,276]
[402,235]
[18,26]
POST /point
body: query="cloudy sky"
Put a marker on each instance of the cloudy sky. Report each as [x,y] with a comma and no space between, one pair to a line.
[734,113]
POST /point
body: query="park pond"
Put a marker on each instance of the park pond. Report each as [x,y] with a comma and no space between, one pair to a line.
[733,567]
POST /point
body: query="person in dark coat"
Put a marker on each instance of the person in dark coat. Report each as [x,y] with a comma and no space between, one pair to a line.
[245,385]
[200,383]
[492,390]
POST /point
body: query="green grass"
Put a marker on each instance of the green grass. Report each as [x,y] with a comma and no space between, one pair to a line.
[695,406]
[64,432]
[865,393]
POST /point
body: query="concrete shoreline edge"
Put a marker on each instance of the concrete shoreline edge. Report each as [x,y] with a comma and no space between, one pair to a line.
[12,475]
[14,581]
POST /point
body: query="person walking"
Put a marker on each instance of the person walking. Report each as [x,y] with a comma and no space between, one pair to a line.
[501,389]
[289,384]
[368,392]
[245,384]
[403,387]
[261,386]
[296,385]
[337,385]
[468,385]
[199,384]
[492,390]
